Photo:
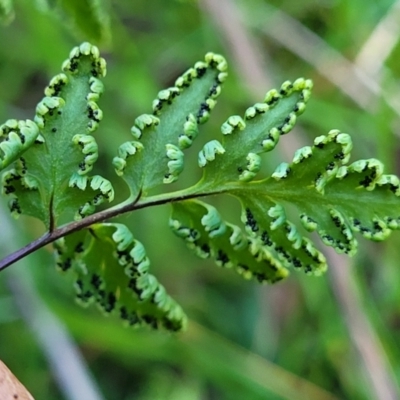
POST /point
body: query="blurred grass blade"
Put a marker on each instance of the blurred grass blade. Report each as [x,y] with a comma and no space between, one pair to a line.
[6,12]
[90,17]
[227,363]
[233,369]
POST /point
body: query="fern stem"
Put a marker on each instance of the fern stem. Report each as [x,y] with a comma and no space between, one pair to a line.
[123,208]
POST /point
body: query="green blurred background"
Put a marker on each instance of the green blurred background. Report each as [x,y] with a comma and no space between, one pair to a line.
[335,337]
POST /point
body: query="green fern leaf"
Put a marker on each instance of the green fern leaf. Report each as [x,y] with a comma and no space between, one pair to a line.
[112,270]
[334,199]
[51,179]
[244,139]
[155,156]
[201,226]
[50,160]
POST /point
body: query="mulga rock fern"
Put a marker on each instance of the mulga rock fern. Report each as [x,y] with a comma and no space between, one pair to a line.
[48,163]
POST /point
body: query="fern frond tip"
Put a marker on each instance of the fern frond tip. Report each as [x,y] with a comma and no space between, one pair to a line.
[86,49]
[15,138]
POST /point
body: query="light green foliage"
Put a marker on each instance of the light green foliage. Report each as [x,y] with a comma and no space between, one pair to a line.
[91,17]
[319,190]
[6,11]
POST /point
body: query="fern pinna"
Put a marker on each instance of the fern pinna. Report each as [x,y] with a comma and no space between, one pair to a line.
[48,162]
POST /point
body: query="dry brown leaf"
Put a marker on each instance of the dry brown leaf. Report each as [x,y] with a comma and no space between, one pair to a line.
[10,387]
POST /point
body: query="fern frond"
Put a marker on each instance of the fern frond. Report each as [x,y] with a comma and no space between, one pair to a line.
[244,139]
[52,178]
[317,192]
[155,156]
[201,226]
[329,197]
[112,270]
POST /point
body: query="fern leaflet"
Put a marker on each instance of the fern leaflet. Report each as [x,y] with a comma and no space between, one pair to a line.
[48,163]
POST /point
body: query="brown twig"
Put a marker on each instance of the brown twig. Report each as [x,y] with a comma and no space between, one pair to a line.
[101,216]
